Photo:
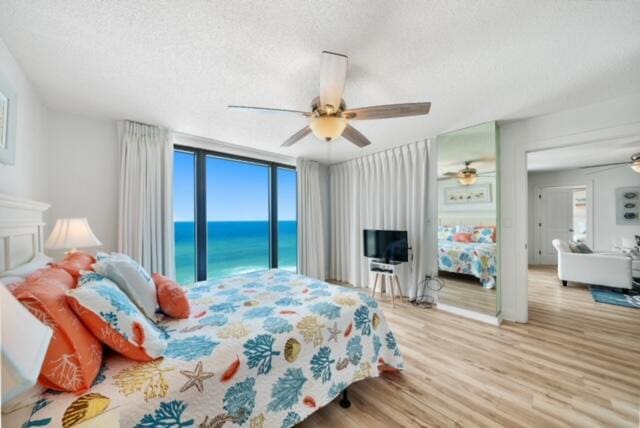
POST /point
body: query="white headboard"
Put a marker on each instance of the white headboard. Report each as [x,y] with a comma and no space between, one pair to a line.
[21,230]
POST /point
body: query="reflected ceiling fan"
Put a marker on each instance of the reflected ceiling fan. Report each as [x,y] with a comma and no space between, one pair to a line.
[329,117]
[467,175]
[634,163]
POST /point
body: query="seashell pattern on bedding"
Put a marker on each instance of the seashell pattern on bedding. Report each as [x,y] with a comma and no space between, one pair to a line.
[263,349]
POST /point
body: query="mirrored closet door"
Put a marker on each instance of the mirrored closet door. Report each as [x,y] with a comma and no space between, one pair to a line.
[468,201]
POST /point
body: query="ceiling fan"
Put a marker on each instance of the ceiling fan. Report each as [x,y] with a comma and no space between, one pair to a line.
[329,117]
[634,163]
[467,175]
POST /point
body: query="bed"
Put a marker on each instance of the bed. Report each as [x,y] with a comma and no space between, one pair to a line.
[263,349]
[476,259]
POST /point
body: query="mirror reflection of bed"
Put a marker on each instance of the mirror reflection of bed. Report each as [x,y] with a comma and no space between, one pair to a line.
[467,219]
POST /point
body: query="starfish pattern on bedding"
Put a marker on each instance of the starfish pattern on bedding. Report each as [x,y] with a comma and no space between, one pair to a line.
[333,332]
[196,378]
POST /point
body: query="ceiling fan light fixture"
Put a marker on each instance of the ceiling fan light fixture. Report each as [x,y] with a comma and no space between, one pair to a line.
[467,179]
[328,128]
[636,166]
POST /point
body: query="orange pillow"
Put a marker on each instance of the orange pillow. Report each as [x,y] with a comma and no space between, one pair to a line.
[74,356]
[76,262]
[463,237]
[53,274]
[171,297]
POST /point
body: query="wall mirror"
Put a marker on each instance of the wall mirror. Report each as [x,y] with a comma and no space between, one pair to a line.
[468,201]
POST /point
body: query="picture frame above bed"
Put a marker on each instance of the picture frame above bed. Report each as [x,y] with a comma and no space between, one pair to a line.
[8,120]
[477,193]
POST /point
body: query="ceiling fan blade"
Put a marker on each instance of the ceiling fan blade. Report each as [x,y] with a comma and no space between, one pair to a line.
[605,164]
[352,134]
[296,137]
[271,110]
[449,174]
[333,73]
[388,111]
[609,168]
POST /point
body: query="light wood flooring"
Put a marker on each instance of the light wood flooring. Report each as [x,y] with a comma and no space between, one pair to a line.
[466,292]
[576,363]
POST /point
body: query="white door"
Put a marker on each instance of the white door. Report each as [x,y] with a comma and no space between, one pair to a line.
[556,221]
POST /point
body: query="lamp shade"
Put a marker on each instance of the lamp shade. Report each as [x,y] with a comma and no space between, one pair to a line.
[24,344]
[71,233]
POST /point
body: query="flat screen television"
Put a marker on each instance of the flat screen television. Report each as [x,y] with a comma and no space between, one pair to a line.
[387,245]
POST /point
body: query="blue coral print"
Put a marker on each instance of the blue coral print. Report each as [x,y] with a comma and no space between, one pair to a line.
[116,298]
[168,415]
[240,400]
[287,390]
[259,312]
[259,352]
[224,308]
[277,325]
[288,301]
[363,322]
[328,310]
[264,357]
[190,348]
[217,320]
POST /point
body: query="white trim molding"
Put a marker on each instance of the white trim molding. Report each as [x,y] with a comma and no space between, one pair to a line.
[488,319]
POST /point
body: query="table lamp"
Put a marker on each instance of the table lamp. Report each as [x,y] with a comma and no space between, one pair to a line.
[70,234]
[23,346]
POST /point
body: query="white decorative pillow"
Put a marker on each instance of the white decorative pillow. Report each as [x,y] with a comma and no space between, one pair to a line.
[39,261]
[114,319]
[131,278]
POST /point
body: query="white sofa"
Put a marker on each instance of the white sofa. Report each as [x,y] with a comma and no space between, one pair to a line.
[605,269]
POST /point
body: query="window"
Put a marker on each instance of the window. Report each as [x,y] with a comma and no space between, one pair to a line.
[184,194]
[232,215]
[287,224]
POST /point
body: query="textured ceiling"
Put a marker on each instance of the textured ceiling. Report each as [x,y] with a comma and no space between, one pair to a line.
[179,63]
[595,153]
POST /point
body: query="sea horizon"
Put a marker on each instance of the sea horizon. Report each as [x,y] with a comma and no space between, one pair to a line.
[234,247]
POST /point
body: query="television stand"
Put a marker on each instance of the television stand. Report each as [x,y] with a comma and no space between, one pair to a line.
[386,270]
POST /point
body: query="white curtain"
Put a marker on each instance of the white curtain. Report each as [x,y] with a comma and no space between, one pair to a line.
[145,216]
[386,190]
[311,260]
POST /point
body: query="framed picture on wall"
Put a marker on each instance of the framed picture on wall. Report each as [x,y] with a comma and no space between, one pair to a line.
[8,113]
[476,193]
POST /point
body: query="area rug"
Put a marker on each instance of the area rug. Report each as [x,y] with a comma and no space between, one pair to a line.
[628,298]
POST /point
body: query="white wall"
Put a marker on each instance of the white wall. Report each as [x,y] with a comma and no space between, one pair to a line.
[83,181]
[28,177]
[618,118]
[604,230]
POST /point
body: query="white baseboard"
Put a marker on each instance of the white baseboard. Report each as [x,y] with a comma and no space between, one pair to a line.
[489,319]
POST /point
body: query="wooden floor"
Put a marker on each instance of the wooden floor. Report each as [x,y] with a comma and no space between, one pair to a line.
[576,363]
[466,292]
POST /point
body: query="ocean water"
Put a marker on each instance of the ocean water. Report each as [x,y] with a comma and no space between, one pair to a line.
[234,247]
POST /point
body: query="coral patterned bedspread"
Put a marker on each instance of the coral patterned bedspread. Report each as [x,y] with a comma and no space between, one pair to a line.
[264,349]
[477,259]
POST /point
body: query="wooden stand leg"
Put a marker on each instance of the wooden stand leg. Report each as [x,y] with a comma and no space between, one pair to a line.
[399,288]
[393,296]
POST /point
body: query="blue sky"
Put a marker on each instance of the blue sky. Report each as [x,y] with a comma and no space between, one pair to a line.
[237,191]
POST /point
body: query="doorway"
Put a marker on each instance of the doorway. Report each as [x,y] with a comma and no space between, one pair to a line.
[560,212]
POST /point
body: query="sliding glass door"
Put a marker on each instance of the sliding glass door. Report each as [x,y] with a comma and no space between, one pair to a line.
[233,215]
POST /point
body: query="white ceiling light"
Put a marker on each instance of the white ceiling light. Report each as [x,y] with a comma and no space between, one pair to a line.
[328,128]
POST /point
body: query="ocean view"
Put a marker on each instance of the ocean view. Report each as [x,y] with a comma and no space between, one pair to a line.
[234,247]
